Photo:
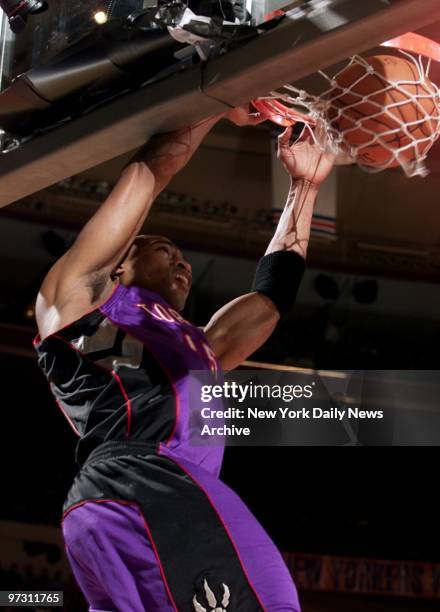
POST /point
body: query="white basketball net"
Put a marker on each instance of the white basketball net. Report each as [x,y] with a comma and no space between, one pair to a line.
[331,138]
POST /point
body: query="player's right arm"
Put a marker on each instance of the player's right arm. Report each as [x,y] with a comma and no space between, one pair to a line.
[108,234]
[82,275]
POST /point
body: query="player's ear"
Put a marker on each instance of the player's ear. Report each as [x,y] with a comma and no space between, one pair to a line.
[121,266]
[118,271]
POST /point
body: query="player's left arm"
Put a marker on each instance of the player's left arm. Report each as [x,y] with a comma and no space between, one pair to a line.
[242,326]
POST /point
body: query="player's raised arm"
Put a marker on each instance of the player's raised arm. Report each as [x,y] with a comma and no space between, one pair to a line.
[83,276]
[242,326]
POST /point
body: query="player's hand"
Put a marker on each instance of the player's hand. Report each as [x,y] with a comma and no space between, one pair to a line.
[242,115]
[304,160]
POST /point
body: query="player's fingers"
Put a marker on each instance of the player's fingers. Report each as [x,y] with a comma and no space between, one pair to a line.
[284,137]
[256,118]
[305,135]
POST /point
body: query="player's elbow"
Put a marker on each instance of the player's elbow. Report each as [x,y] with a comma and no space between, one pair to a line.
[140,177]
[145,177]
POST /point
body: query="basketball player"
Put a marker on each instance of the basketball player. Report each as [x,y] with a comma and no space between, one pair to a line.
[147,523]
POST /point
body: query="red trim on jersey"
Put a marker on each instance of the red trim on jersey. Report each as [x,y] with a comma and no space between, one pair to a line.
[167,374]
[127,402]
[112,373]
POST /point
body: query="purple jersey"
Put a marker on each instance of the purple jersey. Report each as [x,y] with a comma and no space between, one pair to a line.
[122,372]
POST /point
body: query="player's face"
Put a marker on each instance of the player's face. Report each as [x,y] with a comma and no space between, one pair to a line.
[157,264]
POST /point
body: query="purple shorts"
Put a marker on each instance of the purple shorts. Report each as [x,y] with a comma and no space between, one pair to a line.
[115,556]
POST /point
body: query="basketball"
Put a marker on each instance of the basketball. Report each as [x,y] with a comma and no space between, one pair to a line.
[388,107]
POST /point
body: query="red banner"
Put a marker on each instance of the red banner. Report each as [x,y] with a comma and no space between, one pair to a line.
[364,576]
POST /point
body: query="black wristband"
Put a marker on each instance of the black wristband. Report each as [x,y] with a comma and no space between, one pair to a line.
[278,276]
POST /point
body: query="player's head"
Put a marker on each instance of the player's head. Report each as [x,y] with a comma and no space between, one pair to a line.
[157,264]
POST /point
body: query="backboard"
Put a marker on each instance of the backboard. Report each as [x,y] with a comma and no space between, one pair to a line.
[314,34]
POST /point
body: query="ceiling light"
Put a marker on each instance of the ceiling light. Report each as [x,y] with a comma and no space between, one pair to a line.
[100,17]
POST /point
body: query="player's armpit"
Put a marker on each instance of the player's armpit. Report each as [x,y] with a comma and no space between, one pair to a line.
[106,237]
